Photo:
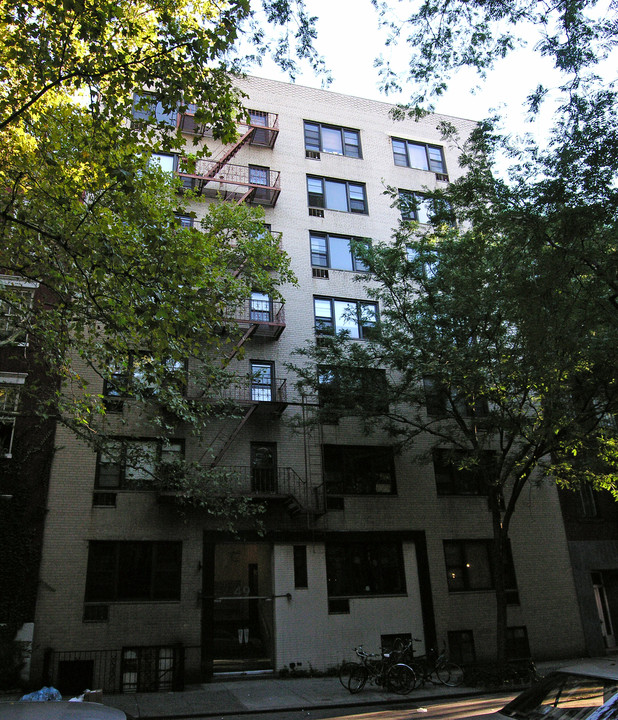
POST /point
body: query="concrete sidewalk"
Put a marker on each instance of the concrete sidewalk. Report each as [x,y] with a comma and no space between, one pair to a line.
[264,694]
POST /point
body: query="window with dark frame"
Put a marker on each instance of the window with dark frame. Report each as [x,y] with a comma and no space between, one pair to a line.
[331,139]
[262,381]
[517,645]
[469,568]
[371,567]
[300,566]
[333,315]
[133,463]
[456,475]
[9,403]
[335,252]
[331,194]
[146,107]
[461,646]
[133,571]
[133,375]
[422,156]
[359,470]
[342,390]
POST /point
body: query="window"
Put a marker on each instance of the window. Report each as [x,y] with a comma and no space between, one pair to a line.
[461,646]
[167,163]
[358,470]
[331,139]
[336,195]
[441,401]
[415,206]
[128,570]
[300,566]
[142,375]
[587,505]
[457,474]
[334,251]
[419,155]
[262,381]
[16,296]
[259,175]
[342,390]
[260,307]
[10,387]
[469,567]
[355,317]
[372,567]
[517,646]
[136,463]
[259,118]
[185,221]
[151,669]
[146,107]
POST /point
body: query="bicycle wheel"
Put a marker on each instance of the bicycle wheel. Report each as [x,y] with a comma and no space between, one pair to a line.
[449,673]
[400,679]
[345,671]
[358,678]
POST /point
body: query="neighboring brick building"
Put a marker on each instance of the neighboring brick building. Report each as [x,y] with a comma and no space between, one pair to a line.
[359,545]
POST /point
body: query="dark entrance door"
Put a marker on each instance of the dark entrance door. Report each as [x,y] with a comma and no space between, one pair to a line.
[242,611]
[264,467]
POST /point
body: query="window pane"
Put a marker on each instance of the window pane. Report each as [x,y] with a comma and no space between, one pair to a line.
[436,162]
[331,140]
[336,195]
[134,570]
[318,251]
[418,156]
[346,317]
[477,566]
[140,463]
[340,255]
[357,198]
[423,209]
[258,175]
[312,137]
[352,144]
[399,152]
[316,192]
[260,307]
[165,162]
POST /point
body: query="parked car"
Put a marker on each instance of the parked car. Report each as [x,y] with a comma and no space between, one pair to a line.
[59,710]
[587,691]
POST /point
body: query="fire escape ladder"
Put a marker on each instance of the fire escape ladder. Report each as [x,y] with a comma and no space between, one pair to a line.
[246,335]
[224,160]
[249,411]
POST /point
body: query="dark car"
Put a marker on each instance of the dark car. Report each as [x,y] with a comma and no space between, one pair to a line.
[59,710]
[587,691]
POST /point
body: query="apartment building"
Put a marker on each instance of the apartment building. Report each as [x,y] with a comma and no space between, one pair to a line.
[361,544]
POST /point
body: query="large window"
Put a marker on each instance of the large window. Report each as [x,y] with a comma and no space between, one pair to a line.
[140,374]
[419,155]
[127,570]
[356,317]
[10,387]
[336,194]
[469,567]
[358,470]
[331,139]
[334,251]
[371,567]
[416,206]
[262,381]
[16,296]
[458,474]
[346,390]
[129,463]
[146,107]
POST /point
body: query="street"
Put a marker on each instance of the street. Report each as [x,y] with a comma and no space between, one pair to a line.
[473,708]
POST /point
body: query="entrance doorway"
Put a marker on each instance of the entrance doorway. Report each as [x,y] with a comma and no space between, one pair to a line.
[242,608]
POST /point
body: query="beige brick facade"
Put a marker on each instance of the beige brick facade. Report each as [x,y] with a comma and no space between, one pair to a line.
[295,623]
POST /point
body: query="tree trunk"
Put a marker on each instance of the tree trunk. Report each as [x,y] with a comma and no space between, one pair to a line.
[499,551]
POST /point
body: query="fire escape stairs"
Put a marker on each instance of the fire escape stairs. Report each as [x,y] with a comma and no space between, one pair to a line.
[224,160]
[232,436]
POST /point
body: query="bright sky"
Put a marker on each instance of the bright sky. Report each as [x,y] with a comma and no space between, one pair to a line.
[349,39]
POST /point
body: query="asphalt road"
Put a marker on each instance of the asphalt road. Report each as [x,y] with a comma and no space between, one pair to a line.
[476,708]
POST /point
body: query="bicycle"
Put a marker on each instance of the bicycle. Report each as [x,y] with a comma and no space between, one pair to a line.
[433,665]
[383,669]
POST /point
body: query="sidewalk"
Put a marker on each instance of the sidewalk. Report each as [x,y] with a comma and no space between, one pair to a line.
[264,694]
[261,694]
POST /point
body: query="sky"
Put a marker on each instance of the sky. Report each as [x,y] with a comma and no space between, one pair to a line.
[349,39]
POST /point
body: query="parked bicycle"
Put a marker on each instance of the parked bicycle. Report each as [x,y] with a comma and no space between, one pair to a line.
[434,667]
[382,669]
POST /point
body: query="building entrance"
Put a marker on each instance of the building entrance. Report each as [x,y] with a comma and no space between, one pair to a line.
[242,608]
